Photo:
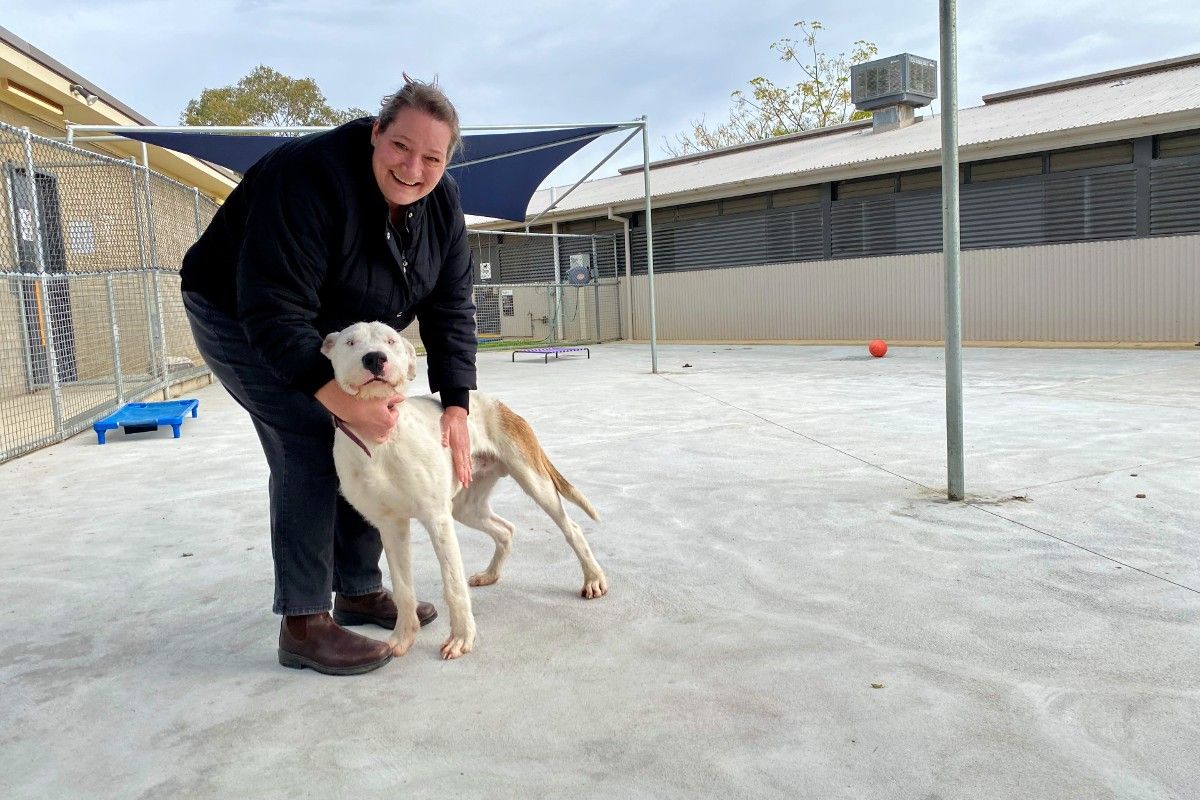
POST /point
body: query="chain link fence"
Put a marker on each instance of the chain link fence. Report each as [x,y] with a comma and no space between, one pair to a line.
[547,289]
[90,309]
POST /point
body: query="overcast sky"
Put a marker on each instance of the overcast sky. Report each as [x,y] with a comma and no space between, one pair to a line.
[548,62]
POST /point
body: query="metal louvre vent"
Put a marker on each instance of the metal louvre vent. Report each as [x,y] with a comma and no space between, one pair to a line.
[922,76]
[897,80]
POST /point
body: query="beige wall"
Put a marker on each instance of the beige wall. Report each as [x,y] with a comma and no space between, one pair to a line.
[1136,290]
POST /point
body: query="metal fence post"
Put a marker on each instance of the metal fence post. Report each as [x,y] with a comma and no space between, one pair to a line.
[158,332]
[596,287]
[143,259]
[42,287]
[162,333]
[116,340]
[617,291]
[196,198]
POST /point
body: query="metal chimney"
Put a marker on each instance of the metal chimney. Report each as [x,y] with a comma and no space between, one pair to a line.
[893,88]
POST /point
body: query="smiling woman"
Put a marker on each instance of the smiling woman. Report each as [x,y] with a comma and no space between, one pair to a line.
[295,253]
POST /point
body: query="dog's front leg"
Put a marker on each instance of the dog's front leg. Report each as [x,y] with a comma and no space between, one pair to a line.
[454,582]
[399,557]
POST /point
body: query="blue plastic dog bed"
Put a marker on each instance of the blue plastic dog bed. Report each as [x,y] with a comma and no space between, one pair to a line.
[141,417]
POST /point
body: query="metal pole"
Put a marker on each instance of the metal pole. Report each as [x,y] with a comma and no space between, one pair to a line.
[596,288]
[617,290]
[558,324]
[42,288]
[649,247]
[950,251]
[196,198]
[157,328]
[116,340]
[162,334]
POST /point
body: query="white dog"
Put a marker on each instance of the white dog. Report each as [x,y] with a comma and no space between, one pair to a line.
[411,476]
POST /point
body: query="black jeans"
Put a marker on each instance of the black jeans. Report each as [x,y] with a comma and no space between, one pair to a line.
[320,544]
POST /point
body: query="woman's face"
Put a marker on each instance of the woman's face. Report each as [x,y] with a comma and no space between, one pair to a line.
[410,156]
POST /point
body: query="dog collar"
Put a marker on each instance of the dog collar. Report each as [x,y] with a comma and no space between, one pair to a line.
[341,425]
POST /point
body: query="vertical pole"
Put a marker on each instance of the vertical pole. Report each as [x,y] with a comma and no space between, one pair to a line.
[629,278]
[596,288]
[144,261]
[950,251]
[196,206]
[649,247]
[116,340]
[157,324]
[46,326]
[149,208]
[162,333]
[558,325]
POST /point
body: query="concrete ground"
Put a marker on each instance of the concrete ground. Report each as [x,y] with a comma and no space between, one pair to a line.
[795,610]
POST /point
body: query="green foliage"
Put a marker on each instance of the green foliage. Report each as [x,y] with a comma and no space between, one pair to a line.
[266,97]
[820,98]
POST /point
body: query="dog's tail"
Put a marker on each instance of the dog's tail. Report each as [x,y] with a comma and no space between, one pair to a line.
[521,435]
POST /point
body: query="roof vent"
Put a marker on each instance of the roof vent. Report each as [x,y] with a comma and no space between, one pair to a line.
[892,88]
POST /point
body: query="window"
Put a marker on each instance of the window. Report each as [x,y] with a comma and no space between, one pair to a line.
[1005,168]
[1177,145]
[865,187]
[1084,157]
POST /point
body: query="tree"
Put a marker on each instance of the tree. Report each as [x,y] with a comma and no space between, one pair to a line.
[266,97]
[820,98]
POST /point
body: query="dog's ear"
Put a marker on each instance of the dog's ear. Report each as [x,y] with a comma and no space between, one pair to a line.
[330,341]
[412,358]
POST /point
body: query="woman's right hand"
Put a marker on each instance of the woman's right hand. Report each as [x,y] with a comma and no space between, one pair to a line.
[373,418]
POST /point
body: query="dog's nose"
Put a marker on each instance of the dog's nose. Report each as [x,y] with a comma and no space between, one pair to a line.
[374,361]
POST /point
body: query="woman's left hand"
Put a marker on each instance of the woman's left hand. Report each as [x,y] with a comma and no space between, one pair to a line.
[456,437]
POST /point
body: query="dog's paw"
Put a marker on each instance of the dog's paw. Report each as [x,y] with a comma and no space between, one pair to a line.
[594,587]
[402,637]
[401,643]
[483,579]
[457,646]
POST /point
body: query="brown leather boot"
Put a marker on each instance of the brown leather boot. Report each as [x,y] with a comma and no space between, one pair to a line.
[316,642]
[377,608]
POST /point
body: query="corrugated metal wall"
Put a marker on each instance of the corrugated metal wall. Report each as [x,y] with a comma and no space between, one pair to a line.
[1135,290]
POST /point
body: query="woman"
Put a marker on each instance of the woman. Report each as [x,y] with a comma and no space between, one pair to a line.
[356,223]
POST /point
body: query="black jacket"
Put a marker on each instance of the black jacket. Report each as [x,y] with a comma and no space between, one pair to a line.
[300,248]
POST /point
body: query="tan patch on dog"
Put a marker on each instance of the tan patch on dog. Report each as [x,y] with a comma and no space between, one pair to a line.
[521,434]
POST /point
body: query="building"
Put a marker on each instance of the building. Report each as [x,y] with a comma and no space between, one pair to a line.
[1080,215]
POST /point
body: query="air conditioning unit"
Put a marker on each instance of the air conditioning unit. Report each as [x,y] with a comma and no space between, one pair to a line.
[905,79]
[579,273]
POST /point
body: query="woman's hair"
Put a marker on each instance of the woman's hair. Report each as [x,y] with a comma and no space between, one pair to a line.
[425,97]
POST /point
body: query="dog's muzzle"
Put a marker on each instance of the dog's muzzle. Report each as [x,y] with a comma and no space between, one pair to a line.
[375,362]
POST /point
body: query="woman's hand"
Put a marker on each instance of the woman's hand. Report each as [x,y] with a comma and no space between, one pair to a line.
[456,437]
[373,418]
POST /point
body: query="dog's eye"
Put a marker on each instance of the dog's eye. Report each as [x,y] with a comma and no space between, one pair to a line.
[392,342]
[349,343]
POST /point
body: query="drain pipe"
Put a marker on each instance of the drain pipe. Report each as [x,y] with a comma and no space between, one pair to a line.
[628,272]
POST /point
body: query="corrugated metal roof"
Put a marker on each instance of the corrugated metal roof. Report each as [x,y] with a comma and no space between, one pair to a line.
[1154,102]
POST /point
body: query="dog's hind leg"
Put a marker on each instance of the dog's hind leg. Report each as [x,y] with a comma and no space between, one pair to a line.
[501,531]
[541,488]
[454,585]
[472,509]
[396,545]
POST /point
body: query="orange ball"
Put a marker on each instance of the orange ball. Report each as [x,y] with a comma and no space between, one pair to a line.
[877,348]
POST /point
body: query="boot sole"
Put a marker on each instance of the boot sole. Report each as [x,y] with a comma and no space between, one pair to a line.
[294,661]
[348,619]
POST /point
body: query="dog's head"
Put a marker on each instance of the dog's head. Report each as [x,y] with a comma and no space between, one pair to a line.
[371,359]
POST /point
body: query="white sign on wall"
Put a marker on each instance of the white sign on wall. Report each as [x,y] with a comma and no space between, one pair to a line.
[26,225]
[485,270]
